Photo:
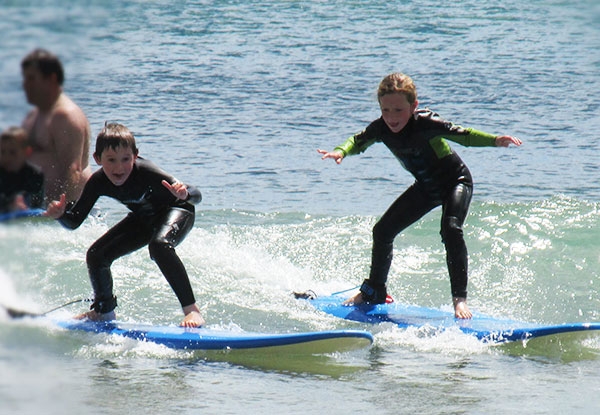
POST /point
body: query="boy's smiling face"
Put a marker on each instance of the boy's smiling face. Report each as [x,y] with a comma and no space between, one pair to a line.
[396,110]
[117,163]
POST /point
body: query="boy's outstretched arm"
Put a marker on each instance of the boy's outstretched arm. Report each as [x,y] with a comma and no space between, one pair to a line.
[506,140]
[336,155]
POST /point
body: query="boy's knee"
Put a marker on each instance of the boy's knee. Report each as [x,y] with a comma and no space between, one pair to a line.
[95,258]
[451,229]
[159,246]
[381,233]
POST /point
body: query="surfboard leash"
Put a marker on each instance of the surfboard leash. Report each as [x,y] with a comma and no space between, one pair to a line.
[14,313]
[345,291]
[311,295]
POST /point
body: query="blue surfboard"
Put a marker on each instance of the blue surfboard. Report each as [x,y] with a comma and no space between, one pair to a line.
[485,328]
[21,214]
[319,342]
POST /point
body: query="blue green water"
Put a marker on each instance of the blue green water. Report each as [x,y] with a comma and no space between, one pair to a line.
[236,97]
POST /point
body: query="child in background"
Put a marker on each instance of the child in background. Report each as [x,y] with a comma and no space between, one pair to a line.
[21,183]
[417,137]
[162,214]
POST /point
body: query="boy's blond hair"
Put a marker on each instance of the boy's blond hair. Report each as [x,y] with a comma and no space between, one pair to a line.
[398,83]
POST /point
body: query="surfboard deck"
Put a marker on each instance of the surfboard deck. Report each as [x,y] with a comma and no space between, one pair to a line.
[319,342]
[485,328]
[21,214]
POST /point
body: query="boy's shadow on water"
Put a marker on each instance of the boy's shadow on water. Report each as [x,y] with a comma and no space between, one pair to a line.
[334,365]
[562,348]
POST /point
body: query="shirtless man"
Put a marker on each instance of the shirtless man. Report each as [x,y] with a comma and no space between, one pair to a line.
[59,131]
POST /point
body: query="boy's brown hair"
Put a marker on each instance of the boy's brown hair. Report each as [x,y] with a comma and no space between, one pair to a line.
[114,135]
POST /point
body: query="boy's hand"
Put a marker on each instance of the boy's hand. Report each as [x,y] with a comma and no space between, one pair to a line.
[505,140]
[178,189]
[56,208]
[336,155]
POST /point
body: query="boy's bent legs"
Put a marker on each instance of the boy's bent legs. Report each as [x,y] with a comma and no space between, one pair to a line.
[125,237]
[412,205]
[175,227]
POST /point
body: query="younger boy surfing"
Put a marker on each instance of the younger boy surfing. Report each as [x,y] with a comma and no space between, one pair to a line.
[162,214]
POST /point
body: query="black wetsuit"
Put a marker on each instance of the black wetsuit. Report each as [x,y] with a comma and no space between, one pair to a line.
[28,181]
[441,179]
[157,219]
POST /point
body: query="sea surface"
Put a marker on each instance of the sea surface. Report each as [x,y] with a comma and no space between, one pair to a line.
[235,97]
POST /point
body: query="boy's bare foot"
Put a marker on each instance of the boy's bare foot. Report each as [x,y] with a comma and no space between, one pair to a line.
[460,308]
[92,315]
[192,318]
[357,299]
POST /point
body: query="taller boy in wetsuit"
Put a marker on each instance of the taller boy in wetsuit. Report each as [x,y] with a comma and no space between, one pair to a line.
[162,214]
[418,140]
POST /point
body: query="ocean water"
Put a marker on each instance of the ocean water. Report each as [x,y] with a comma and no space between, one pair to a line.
[235,97]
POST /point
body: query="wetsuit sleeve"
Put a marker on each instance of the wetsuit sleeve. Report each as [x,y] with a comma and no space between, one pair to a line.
[352,146]
[349,147]
[358,143]
[467,137]
[470,137]
[194,195]
[76,212]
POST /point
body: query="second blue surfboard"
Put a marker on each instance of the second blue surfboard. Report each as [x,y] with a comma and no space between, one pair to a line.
[485,328]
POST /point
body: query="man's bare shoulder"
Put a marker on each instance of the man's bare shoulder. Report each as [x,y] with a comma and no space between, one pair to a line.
[66,107]
[68,115]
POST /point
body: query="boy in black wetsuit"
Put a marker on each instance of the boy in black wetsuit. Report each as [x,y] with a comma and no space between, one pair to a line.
[162,214]
[21,183]
[418,140]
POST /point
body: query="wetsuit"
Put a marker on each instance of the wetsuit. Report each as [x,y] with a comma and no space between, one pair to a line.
[28,181]
[441,179]
[157,219]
